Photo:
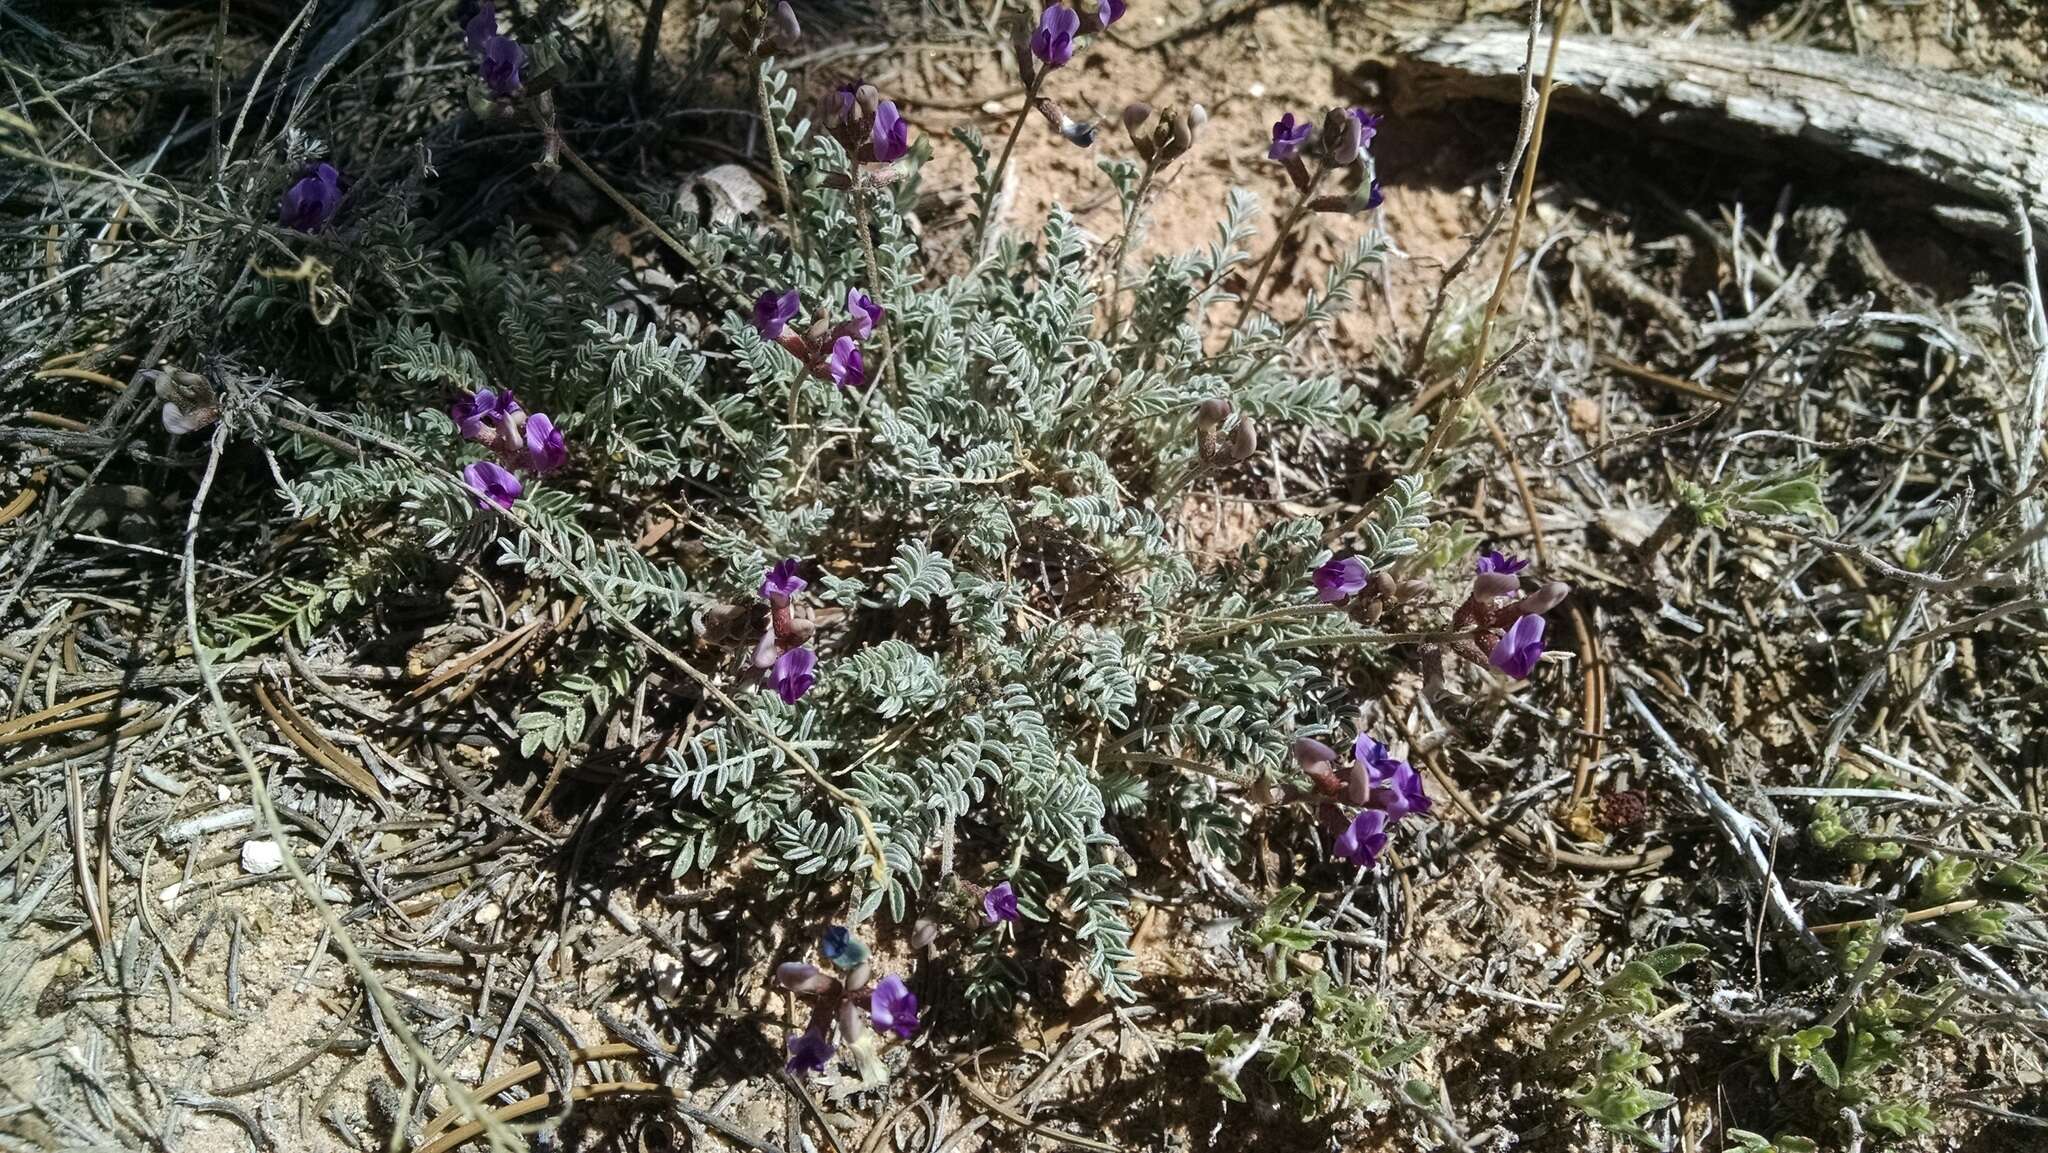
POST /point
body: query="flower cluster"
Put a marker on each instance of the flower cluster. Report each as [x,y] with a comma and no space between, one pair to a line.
[1344,141]
[1507,629]
[1222,435]
[493,418]
[831,355]
[836,996]
[1170,137]
[500,59]
[783,653]
[871,129]
[311,201]
[1509,626]
[1052,41]
[1382,787]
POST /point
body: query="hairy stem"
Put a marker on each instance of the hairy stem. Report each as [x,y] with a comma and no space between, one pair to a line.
[773,125]
[995,181]
[1250,303]
[867,251]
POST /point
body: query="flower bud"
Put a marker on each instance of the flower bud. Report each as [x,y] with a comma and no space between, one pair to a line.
[1489,586]
[851,1027]
[1344,143]
[1136,113]
[1183,133]
[868,98]
[925,932]
[798,977]
[1541,601]
[1212,412]
[1245,441]
[787,30]
[860,976]
[1197,116]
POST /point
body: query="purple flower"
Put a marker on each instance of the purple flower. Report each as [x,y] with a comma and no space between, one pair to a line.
[481,27]
[843,365]
[793,674]
[483,413]
[1340,577]
[1000,903]
[1494,560]
[865,312]
[1375,196]
[1402,792]
[500,63]
[312,199]
[491,485]
[842,948]
[1288,137]
[1379,764]
[782,582]
[545,451]
[1520,647]
[837,106]
[1110,12]
[893,1007]
[1054,40]
[1362,842]
[773,312]
[1368,126]
[890,136]
[809,1052]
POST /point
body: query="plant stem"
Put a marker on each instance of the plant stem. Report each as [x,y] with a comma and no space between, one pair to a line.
[1251,298]
[772,124]
[1132,213]
[995,183]
[650,37]
[867,249]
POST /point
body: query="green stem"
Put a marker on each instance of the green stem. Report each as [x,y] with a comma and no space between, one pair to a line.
[995,183]
[1251,299]
[772,124]
[867,249]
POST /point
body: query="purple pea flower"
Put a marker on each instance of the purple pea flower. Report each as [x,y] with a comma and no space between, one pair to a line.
[1494,560]
[843,365]
[1000,903]
[842,948]
[787,29]
[809,1052]
[1378,762]
[312,200]
[483,413]
[1110,11]
[890,137]
[545,451]
[1363,840]
[1288,137]
[481,27]
[1053,42]
[1375,195]
[865,312]
[782,582]
[1368,126]
[491,485]
[500,63]
[837,106]
[794,674]
[1402,792]
[893,1007]
[773,311]
[1339,578]
[1520,647]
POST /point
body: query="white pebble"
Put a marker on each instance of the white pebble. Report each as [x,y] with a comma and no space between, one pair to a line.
[489,912]
[168,895]
[1256,91]
[261,857]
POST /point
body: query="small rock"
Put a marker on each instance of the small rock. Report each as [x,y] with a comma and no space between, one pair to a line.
[261,857]
[1256,91]
[488,912]
[168,895]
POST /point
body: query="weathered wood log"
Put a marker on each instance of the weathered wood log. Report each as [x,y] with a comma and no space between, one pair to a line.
[1973,137]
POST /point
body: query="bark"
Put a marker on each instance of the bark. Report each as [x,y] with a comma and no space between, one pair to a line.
[1972,137]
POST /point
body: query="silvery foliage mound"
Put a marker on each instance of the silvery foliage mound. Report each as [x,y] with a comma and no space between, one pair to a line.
[1032,674]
